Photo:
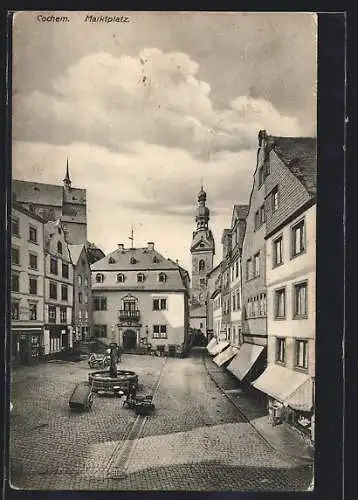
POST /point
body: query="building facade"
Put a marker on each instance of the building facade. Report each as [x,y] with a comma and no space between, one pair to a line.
[225,331]
[237,231]
[82,293]
[140,299]
[27,285]
[213,292]
[58,290]
[290,278]
[52,202]
[254,260]
[202,251]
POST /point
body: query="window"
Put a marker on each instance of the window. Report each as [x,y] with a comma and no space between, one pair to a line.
[261,175]
[80,314]
[120,278]
[79,280]
[234,301]
[65,270]
[300,300]
[100,303]
[298,238]
[249,269]
[238,304]
[140,277]
[15,227]
[53,265]
[86,314]
[52,314]
[33,312]
[15,282]
[64,292]
[257,265]
[277,252]
[80,298]
[162,277]
[33,286]
[262,214]
[257,220]
[201,265]
[202,282]
[15,256]
[33,261]
[280,303]
[237,269]
[59,247]
[159,304]
[15,310]
[86,281]
[86,298]
[274,199]
[111,260]
[63,315]
[301,350]
[133,260]
[159,331]
[99,278]
[100,331]
[33,234]
[53,290]
[280,350]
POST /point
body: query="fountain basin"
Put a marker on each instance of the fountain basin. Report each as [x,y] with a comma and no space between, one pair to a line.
[101,381]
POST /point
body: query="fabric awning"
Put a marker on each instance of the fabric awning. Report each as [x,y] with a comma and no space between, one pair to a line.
[245,360]
[219,347]
[287,386]
[226,355]
[211,343]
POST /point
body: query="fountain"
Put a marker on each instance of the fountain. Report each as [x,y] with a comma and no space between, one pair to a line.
[112,380]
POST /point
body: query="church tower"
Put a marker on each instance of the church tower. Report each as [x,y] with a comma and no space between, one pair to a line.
[202,255]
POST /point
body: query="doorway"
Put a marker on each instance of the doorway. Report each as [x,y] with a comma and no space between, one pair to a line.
[129,340]
[24,349]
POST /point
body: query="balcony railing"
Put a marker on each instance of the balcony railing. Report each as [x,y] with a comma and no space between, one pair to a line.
[129,316]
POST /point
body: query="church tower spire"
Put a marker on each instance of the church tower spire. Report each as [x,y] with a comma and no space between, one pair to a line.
[202,255]
[67,180]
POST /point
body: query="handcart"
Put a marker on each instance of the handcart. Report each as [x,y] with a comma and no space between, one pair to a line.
[82,397]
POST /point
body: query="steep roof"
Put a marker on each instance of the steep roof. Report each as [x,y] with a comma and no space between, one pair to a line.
[38,193]
[300,156]
[46,194]
[75,252]
[145,259]
[241,211]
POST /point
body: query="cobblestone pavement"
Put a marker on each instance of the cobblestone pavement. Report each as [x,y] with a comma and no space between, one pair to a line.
[195,440]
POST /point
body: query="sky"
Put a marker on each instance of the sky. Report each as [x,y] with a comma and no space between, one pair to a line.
[146,110]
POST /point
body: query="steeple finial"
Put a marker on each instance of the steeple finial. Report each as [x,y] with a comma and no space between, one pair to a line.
[67,180]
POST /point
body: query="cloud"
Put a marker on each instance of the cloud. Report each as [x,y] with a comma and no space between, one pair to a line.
[148,184]
[154,97]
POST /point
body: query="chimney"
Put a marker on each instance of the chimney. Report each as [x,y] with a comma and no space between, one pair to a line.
[150,245]
[121,247]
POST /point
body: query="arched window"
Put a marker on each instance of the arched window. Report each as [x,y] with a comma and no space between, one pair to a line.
[120,278]
[201,265]
[140,277]
[59,247]
[99,278]
[162,277]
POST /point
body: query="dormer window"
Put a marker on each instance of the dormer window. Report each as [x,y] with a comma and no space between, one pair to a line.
[120,278]
[133,260]
[111,260]
[162,277]
[59,247]
[140,277]
[99,278]
[155,259]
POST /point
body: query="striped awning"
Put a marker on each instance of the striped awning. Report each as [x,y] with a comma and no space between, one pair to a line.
[219,347]
[292,388]
[245,360]
[226,355]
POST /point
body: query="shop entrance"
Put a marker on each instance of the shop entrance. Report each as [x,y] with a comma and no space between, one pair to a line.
[24,349]
[129,340]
